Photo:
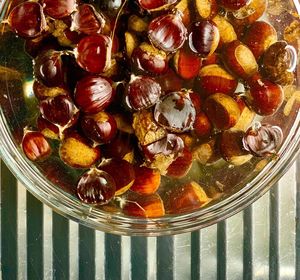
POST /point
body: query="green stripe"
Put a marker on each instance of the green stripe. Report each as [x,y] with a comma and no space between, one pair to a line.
[8,224]
[139,258]
[112,257]
[195,255]
[248,243]
[34,238]
[60,235]
[165,258]
[86,253]
[274,235]
[221,251]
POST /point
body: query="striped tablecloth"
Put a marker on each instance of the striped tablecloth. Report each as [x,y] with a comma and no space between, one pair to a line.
[263,242]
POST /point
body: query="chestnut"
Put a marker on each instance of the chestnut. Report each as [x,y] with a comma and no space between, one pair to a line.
[142,92]
[206,9]
[239,59]
[213,79]
[150,60]
[48,68]
[167,32]
[263,140]
[59,110]
[204,38]
[226,30]
[184,8]
[207,152]
[170,81]
[147,180]
[279,62]
[259,37]
[186,198]
[87,20]
[96,187]
[196,100]
[231,147]
[202,125]
[175,112]
[264,97]
[35,146]
[160,154]
[59,8]
[101,127]
[124,179]
[93,94]
[187,64]
[143,206]
[146,129]
[222,110]
[181,165]
[76,152]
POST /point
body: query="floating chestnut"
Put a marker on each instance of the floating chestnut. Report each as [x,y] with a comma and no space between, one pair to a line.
[101,127]
[87,20]
[264,97]
[204,38]
[142,92]
[233,4]
[59,8]
[93,94]
[93,53]
[148,59]
[263,140]
[206,9]
[27,20]
[35,146]
[48,68]
[96,187]
[122,172]
[59,110]
[175,112]
[167,32]
[48,129]
[202,125]
[279,62]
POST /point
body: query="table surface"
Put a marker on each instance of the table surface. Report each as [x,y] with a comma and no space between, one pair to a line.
[263,242]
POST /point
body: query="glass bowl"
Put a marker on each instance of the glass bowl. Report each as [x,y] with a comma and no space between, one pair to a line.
[52,182]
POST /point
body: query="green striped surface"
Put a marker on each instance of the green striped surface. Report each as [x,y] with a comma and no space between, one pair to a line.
[263,242]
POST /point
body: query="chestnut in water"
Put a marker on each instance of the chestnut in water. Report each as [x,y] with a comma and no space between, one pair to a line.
[150,60]
[142,92]
[233,4]
[175,112]
[167,32]
[101,127]
[204,38]
[35,146]
[93,53]
[122,172]
[58,8]
[263,139]
[93,94]
[96,187]
[59,110]
[27,20]
[156,5]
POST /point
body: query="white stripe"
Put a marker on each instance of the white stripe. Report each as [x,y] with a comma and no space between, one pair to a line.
[100,255]
[47,242]
[208,257]
[21,231]
[125,258]
[73,245]
[182,256]
[151,258]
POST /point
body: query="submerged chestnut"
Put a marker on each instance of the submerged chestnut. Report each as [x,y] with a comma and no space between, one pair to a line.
[176,112]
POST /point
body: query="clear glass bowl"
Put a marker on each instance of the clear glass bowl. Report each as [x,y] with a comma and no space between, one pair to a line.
[51,181]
